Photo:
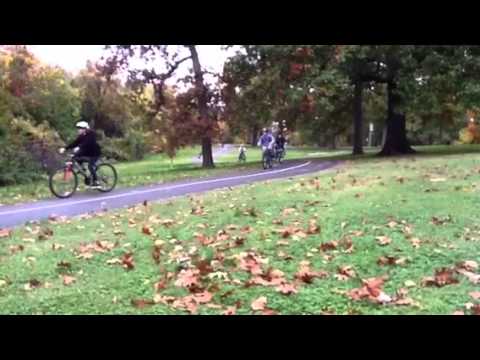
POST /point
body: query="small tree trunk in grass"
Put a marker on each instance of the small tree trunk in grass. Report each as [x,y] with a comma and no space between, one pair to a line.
[396,142]
[358,120]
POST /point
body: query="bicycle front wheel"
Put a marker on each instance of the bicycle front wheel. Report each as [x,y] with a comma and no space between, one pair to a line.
[63,182]
[107,177]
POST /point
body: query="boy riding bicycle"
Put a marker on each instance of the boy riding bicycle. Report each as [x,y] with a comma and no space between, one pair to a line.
[86,149]
[267,141]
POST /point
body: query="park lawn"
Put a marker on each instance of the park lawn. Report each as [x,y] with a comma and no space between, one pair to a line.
[422,208]
[154,169]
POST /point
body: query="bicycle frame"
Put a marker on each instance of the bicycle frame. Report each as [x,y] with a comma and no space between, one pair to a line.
[74,165]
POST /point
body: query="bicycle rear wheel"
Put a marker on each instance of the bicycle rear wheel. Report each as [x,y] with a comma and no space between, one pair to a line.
[107,177]
[63,182]
[265,161]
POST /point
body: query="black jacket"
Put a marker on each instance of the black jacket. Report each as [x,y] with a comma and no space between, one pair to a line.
[280,141]
[88,145]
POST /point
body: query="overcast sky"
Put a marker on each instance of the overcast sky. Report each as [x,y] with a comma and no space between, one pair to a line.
[74,57]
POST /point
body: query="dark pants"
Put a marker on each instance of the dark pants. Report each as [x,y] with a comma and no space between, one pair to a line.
[92,167]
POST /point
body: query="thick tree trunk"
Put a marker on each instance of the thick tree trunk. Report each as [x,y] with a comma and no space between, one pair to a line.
[396,142]
[333,143]
[207,157]
[207,152]
[358,119]
[254,138]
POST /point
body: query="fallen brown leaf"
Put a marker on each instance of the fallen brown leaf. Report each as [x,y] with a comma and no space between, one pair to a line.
[441,221]
[32,284]
[286,289]
[203,297]
[56,246]
[371,290]
[475,295]
[347,271]
[472,277]
[114,261]
[259,304]
[231,310]
[127,261]
[156,253]
[442,278]
[288,211]
[391,260]
[383,240]
[415,242]
[67,280]
[187,278]
[392,224]
[5,233]
[246,229]
[313,228]
[16,248]
[64,264]
[331,245]
[468,265]
[147,230]
[142,303]
[203,239]
[85,255]
[476,309]
[306,275]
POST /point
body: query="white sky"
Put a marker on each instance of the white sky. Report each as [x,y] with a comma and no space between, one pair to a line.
[74,57]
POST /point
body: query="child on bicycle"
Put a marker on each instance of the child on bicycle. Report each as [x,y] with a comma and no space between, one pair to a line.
[266,141]
[280,143]
[86,149]
[242,153]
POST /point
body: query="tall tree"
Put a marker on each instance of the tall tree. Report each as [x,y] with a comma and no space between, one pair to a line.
[138,78]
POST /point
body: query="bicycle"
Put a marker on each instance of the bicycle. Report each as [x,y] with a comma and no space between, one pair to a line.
[267,158]
[242,157]
[63,182]
[279,154]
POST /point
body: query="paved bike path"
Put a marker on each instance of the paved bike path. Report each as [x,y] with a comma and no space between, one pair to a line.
[82,203]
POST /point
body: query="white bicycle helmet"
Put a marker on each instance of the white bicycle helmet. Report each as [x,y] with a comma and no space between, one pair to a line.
[82,125]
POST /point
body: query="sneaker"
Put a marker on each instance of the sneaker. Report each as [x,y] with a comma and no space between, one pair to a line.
[95,185]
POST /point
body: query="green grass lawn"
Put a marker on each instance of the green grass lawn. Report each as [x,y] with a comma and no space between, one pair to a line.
[402,219]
